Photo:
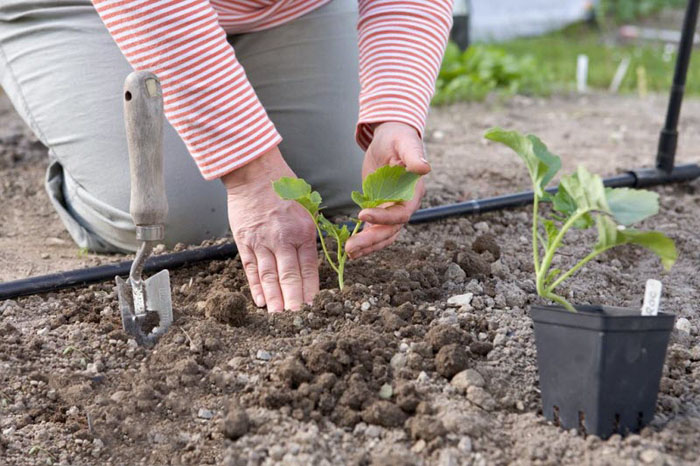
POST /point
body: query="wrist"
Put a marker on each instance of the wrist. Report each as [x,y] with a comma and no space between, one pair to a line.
[260,170]
[384,126]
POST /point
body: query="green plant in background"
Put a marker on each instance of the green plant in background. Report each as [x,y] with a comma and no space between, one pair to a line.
[628,10]
[481,70]
[582,202]
[386,184]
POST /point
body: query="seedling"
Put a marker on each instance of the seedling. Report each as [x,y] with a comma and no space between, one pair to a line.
[387,184]
[582,202]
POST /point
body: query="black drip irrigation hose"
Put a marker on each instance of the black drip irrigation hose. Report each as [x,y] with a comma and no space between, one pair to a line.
[81,277]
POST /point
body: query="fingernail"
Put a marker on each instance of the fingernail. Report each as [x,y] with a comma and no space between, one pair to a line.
[368,218]
[259,301]
[422,159]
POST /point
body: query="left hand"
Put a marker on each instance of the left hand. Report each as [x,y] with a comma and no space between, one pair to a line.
[393,144]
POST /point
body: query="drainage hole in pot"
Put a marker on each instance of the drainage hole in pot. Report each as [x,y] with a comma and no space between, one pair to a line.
[582,423]
[556,421]
[616,425]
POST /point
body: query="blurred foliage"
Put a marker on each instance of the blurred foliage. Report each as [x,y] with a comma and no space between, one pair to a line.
[483,69]
[557,52]
[629,10]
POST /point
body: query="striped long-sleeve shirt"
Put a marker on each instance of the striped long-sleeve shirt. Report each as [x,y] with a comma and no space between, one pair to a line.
[211,104]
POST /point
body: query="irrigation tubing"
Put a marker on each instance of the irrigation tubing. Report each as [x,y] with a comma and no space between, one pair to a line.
[81,277]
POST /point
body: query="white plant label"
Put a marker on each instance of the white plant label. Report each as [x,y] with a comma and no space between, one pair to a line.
[652,297]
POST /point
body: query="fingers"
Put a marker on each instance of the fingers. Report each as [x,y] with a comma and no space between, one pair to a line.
[370,237]
[250,265]
[376,246]
[308,262]
[412,154]
[267,273]
[289,274]
[396,214]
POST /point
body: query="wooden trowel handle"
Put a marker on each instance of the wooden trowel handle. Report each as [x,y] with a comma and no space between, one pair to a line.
[143,118]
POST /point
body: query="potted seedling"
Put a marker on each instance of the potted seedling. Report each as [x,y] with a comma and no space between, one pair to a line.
[387,184]
[599,366]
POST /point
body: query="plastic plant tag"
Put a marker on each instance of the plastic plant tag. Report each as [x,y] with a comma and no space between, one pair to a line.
[652,297]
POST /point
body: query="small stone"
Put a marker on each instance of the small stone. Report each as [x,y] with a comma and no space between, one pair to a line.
[426,428]
[422,377]
[45,255]
[276,452]
[298,322]
[91,368]
[449,457]
[398,361]
[365,306]
[481,398]
[683,325]
[386,392]
[263,355]
[383,413]
[43,331]
[465,444]
[461,300]
[403,347]
[373,431]
[205,414]
[651,457]
[499,339]
[695,353]
[455,273]
[468,378]
[419,446]
[481,226]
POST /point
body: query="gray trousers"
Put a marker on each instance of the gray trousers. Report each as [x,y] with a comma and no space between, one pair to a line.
[64,75]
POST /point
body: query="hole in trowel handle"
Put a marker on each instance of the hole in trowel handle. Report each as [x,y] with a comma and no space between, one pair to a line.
[127,96]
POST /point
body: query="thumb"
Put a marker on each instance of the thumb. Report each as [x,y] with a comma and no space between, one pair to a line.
[412,153]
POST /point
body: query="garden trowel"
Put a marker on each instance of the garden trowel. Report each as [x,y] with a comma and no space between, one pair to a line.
[145,305]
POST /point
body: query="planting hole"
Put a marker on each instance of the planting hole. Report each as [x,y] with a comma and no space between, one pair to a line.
[616,426]
[127,96]
[582,423]
[556,416]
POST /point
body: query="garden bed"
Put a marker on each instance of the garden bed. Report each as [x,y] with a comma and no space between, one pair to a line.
[365,376]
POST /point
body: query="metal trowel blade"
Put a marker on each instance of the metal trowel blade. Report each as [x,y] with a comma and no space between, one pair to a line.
[158,300]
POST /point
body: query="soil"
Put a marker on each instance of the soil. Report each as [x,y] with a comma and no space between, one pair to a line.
[427,356]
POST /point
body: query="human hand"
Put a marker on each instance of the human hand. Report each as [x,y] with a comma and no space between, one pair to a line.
[393,144]
[276,239]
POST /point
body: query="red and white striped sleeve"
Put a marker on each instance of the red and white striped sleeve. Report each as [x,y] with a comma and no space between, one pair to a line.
[401,47]
[207,96]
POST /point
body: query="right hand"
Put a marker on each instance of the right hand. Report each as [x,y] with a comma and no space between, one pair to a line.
[276,239]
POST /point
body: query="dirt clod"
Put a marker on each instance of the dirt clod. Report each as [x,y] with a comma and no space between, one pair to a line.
[235,424]
[472,264]
[487,242]
[481,348]
[426,428]
[450,360]
[226,307]
[444,334]
[384,413]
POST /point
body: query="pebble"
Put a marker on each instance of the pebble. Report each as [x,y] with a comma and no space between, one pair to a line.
[683,325]
[422,377]
[465,444]
[455,273]
[449,457]
[263,355]
[42,331]
[365,306]
[419,446]
[403,347]
[499,339]
[481,398]
[460,300]
[276,452]
[695,353]
[467,378]
[386,391]
[651,457]
[298,322]
[205,414]
[481,226]
[373,431]
[398,361]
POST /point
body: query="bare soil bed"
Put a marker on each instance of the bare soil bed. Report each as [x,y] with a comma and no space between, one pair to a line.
[427,357]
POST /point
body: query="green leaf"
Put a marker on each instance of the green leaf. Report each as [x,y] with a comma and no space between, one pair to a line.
[610,235]
[386,184]
[296,189]
[582,191]
[541,163]
[340,234]
[629,206]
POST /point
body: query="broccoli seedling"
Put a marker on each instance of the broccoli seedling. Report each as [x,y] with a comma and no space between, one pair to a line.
[581,201]
[386,184]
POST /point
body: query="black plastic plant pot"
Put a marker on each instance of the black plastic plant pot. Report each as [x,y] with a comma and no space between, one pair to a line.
[600,367]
